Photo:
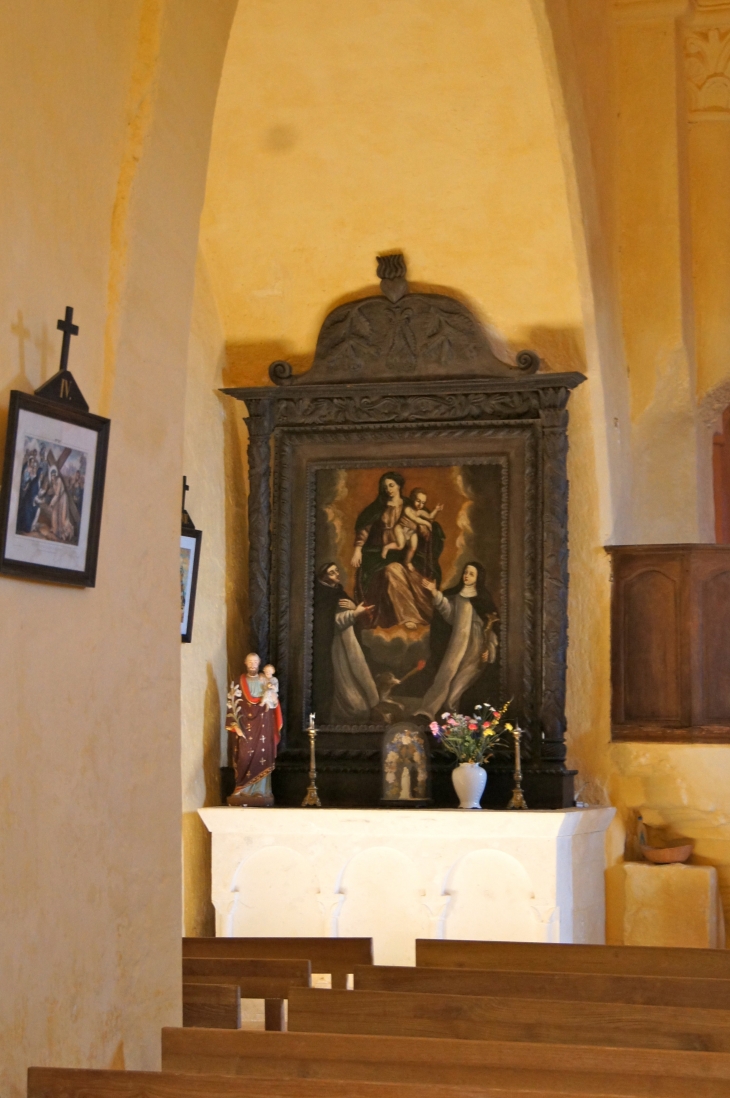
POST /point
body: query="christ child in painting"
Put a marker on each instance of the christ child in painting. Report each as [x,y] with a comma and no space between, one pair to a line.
[414,520]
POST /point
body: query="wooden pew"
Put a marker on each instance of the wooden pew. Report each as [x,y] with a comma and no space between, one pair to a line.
[576,986]
[529,956]
[83,1083]
[257,978]
[336,956]
[469,1017]
[214,1006]
[571,1069]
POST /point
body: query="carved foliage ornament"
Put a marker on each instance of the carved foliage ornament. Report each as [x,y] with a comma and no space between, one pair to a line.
[707,65]
[402,335]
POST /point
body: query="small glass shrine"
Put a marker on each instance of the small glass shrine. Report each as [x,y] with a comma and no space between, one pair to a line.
[406,781]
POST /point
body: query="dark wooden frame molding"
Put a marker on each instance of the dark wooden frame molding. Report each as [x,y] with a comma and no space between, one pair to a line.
[282,422]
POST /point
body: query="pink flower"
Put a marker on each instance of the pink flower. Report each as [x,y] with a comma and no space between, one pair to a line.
[434,728]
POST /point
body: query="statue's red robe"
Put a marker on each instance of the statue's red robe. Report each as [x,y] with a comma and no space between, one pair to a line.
[258,732]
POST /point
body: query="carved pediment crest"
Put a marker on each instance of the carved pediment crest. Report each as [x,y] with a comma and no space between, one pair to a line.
[401,335]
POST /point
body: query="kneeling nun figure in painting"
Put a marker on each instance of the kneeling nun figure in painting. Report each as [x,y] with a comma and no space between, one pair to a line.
[254,719]
[343,687]
[466,644]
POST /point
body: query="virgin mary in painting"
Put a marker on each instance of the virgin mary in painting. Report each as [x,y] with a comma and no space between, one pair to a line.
[389,573]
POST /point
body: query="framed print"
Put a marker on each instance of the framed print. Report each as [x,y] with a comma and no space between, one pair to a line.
[190,540]
[52,491]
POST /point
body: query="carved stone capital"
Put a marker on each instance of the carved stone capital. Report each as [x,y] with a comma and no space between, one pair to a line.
[707,67]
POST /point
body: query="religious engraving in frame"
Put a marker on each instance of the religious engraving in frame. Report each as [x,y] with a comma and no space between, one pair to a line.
[405,404]
[52,491]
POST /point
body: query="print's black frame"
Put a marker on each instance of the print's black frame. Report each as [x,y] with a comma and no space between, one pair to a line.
[197,536]
[64,413]
[522,419]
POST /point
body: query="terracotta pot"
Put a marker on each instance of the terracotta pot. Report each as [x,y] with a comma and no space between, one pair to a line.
[666,855]
[469,781]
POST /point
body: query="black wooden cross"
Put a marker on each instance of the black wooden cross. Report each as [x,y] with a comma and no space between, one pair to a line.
[187,522]
[62,386]
[69,329]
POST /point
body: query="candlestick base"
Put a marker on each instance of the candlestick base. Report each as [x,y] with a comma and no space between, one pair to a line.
[518,798]
[312,798]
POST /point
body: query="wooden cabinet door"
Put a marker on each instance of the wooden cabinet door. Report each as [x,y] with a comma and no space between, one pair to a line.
[648,673]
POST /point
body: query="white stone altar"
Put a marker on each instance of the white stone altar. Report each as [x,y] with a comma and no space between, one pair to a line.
[396,874]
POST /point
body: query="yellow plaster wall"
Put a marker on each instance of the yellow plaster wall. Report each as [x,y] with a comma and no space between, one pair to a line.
[107,108]
[344,130]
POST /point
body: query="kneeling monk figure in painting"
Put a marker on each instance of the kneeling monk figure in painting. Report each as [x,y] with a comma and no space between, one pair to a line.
[254,719]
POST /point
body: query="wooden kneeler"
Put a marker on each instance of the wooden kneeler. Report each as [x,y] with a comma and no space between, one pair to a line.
[269,979]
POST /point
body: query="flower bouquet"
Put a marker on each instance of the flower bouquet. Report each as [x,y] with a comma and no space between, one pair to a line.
[473,740]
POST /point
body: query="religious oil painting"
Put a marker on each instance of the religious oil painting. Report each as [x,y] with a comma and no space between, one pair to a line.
[409,591]
[189,559]
[52,491]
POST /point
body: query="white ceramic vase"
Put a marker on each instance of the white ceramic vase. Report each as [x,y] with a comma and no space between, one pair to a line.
[469,781]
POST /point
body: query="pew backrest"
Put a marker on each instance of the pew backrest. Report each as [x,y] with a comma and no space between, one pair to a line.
[684,991]
[258,978]
[532,956]
[472,1017]
[337,956]
[572,1069]
[81,1083]
[215,1006]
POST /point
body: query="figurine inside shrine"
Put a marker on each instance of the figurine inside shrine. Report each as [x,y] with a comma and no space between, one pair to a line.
[254,720]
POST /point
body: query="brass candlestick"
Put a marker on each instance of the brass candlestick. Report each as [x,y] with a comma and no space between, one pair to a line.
[312,798]
[518,797]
